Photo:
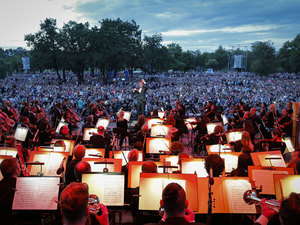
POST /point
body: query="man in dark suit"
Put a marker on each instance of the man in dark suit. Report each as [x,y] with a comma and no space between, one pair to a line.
[140,95]
[98,140]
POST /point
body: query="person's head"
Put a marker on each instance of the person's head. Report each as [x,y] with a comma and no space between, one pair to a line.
[155,113]
[246,139]
[289,105]
[101,130]
[174,200]
[253,111]
[141,83]
[73,203]
[144,128]
[10,168]
[246,115]
[141,120]
[121,114]
[64,130]
[219,129]
[272,107]
[176,148]
[284,112]
[80,168]
[182,156]
[215,162]
[90,119]
[289,212]
[149,167]
[133,155]
[244,161]
[79,152]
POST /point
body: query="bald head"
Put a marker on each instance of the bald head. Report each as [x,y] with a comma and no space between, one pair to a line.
[79,152]
[133,155]
[149,167]
[80,168]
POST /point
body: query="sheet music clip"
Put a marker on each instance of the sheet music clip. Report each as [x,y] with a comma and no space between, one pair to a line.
[164,152]
[99,155]
[270,159]
[105,169]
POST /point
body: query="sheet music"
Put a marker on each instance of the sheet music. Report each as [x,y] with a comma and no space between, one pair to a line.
[290,185]
[159,130]
[159,144]
[274,162]
[231,162]
[103,122]
[182,183]
[88,132]
[108,187]
[36,193]
[235,190]
[151,193]
[53,163]
[111,193]
[264,178]
[215,148]
[189,167]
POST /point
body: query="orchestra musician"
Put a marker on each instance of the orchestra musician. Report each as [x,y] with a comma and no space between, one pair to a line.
[285,123]
[98,139]
[271,117]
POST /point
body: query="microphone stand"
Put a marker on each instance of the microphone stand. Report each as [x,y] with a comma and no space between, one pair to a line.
[210,200]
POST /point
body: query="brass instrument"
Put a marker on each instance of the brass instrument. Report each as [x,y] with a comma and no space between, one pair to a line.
[94,206]
[250,197]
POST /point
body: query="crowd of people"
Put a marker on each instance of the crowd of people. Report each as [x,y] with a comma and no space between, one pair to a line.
[261,108]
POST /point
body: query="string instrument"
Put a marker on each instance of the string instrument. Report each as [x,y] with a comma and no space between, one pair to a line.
[8,121]
[74,115]
[15,115]
[22,162]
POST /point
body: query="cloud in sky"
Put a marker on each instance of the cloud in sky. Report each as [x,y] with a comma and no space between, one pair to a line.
[194,24]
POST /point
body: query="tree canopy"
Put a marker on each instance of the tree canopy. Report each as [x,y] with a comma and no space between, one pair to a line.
[116,45]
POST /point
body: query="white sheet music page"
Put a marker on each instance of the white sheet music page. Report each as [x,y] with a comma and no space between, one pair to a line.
[235,191]
[36,193]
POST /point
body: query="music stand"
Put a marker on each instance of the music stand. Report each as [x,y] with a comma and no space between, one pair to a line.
[153,121]
[60,125]
[159,130]
[109,187]
[211,127]
[21,133]
[36,193]
[234,136]
[88,133]
[157,145]
[103,122]
[120,155]
[8,151]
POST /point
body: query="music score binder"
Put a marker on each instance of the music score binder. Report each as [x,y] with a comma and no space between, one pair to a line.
[93,153]
[9,151]
[154,121]
[36,193]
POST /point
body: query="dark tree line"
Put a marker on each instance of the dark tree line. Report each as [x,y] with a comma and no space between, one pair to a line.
[116,45]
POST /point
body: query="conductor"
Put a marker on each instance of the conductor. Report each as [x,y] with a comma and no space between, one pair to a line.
[140,94]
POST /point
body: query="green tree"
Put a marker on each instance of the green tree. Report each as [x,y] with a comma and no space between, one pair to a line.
[175,51]
[45,50]
[156,56]
[263,58]
[75,46]
[221,56]
[289,55]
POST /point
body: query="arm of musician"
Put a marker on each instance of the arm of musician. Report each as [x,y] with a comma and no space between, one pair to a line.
[103,219]
[266,213]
